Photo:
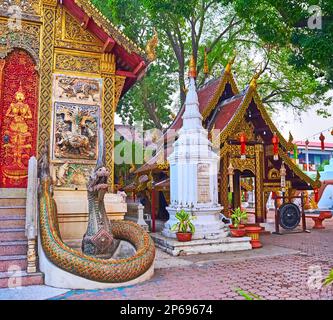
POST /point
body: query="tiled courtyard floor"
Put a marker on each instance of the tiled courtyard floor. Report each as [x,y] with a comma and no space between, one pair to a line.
[287,267]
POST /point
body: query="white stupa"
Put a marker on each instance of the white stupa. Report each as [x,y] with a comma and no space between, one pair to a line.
[193,173]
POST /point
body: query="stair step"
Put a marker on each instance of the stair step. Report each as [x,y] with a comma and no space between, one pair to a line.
[12,210]
[10,279]
[12,222]
[9,248]
[12,202]
[17,263]
[10,234]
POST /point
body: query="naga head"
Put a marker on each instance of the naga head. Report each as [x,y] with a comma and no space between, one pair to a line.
[98,180]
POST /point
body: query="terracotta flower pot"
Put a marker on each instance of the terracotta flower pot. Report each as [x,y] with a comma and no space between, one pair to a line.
[241,226]
[237,232]
[184,236]
[253,232]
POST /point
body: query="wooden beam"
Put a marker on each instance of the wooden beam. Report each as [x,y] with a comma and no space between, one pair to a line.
[109,45]
[139,68]
[126,74]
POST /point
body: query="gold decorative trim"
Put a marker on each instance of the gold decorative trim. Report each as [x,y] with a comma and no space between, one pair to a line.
[109,28]
[298,171]
[76,62]
[251,94]
[46,67]
[226,78]
[108,64]
[71,35]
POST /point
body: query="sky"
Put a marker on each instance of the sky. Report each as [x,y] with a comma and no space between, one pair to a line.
[304,126]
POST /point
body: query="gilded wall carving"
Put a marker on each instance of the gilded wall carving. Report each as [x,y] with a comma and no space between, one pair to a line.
[29,7]
[242,165]
[259,168]
[75,131]
[46,77]
[26,38]
[108,125]
[77,90]
[244,127]
[77,63]
[71,175]
[235,151]
[70,35]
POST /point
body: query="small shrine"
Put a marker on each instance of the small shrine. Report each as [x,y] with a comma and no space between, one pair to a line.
[193,173]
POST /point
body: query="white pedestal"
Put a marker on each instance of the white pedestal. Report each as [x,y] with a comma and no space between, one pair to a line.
[224,244]
[208,223]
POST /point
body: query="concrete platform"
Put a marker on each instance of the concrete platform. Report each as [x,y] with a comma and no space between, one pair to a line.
[176,248]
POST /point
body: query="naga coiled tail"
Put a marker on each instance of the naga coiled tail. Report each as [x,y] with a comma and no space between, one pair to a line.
[77,263]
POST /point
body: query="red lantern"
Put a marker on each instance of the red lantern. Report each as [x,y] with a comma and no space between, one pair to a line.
[275,141]
[322,139]
[316,195]
[242,140]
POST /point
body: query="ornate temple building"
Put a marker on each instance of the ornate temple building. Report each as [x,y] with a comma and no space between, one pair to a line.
[63,69]
[253,154]
[55,64]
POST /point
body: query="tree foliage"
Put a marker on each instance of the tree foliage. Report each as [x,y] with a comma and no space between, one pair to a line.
[297,69]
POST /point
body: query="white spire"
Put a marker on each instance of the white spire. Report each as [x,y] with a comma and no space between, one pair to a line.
[192,118]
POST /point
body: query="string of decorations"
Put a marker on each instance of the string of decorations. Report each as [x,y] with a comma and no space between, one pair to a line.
[320,136]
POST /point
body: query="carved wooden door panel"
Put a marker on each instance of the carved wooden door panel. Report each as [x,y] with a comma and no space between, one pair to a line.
[18,118]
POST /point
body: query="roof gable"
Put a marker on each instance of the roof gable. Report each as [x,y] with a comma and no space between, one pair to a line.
[131,60]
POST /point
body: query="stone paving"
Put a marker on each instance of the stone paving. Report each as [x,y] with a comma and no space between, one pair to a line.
[287,267]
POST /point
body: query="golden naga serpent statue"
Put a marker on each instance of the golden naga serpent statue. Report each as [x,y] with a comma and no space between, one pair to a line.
[75,262]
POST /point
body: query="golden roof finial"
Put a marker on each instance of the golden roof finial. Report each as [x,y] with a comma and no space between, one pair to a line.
[291,138]
[230,63]
[258,72]
[193,68]
[206,66]
[151,47]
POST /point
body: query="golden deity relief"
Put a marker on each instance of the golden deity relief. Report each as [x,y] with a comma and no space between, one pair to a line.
[17,138]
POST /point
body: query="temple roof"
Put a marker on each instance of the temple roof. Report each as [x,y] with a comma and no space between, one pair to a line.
[224,111]
[208,96]
[131,60]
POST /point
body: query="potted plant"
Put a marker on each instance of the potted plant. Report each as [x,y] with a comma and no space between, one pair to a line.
[184,226]
[238,215]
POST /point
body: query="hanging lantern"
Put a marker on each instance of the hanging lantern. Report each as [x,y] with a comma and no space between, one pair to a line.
[322,141]
[283,173]
[275,141]
[231,177]
[332,132]
[316,195]
[242,140]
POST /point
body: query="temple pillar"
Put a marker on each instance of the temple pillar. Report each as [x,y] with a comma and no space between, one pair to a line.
[112,88]
[237,190]
[224,186]
[259,187]
[46,72]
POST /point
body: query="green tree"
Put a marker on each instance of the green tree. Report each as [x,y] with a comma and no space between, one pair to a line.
[292,24]
[187,27]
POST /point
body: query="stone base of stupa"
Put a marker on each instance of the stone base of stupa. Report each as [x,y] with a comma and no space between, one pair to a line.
[224,244]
